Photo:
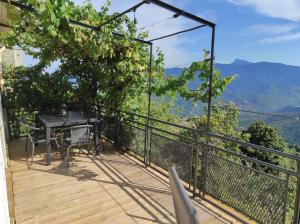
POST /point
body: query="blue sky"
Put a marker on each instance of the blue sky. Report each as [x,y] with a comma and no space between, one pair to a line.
[253,30]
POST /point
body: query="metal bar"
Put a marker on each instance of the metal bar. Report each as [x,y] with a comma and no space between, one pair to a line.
[29,8]
[149,84]
[257,147]
[196,147]
[154,128]
[135,39]
[181,12]
[149,106]
[5,25]
[269,165]
[230,152]
[156,120]
[145,147]
[150,146]
[287,180]
[191,169]
[241,143]
[262,113]
[243,166]
[179,32]
[84,25]
[203,171]
[183,206]
[48,143]
[210,77]
[170,139]
[114,33]
[132,126]
[121,14]
[297,201]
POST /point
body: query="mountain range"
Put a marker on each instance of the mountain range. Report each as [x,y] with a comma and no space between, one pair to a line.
[261,86]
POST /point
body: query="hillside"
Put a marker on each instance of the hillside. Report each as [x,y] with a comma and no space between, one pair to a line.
[261,86]
[264,87]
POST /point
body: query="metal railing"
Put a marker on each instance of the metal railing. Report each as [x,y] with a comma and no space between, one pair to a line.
[211,165]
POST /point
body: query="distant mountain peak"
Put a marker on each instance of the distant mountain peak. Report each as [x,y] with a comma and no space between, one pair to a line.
[240,62]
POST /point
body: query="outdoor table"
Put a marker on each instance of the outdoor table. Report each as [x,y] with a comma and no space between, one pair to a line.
[55,121]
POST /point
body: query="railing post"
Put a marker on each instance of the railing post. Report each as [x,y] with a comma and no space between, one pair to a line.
[149,142]
[145,147]
[197,145]
[297,201]
[117,131]
[287,180]
[203,168]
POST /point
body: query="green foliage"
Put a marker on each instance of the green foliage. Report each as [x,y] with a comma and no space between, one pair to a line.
[180,84]
[224,120]
[104,67]
[264,135]
[97,67]
[33,89]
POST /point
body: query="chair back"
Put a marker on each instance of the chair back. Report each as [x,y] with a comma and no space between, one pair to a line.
[80,134]
[183,206]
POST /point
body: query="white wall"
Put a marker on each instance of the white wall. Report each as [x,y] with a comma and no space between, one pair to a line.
[4,212]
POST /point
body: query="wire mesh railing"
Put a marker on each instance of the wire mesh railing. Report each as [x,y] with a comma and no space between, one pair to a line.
[260,195]
[162,153]
[212,165]
[261,190]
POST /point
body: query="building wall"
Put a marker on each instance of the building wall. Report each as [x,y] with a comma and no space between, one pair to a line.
[10,57]
[4,212]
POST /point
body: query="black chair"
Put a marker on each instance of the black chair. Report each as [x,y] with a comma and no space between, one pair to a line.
[80,135]
[35,136]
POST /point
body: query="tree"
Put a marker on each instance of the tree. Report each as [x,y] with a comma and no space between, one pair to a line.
[261,134]
[96,66]
[224,122]
[110,68]
[33,89]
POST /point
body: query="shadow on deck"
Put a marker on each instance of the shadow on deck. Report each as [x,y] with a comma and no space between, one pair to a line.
[115,188]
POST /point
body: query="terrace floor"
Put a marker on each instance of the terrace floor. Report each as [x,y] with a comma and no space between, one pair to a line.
[115,188]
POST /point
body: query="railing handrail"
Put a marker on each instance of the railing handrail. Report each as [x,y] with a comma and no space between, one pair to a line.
[183,206]
[209,134]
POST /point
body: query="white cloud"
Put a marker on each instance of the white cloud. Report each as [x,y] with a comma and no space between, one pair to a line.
[285,9]
[269,29]
[273,33]
[281,38]
[173,47]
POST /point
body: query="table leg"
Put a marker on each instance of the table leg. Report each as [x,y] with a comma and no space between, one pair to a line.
[48,142]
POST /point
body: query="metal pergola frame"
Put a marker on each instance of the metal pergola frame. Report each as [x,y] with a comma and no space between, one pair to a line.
[178,12]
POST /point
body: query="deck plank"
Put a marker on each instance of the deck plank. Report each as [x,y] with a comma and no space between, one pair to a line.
[114,188]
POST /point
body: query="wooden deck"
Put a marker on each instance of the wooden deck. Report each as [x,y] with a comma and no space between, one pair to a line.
[114,188]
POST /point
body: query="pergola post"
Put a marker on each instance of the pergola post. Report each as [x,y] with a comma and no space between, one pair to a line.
[212,49]
[148,130]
